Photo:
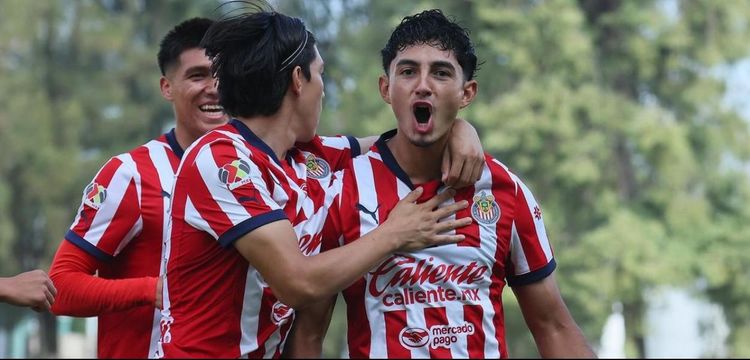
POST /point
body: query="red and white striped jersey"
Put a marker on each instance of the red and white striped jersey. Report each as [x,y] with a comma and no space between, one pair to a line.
[229,183]
[122,222]
[441,302]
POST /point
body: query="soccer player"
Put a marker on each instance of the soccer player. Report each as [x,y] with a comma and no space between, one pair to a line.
[247,204]
[442,302]
[121,223]
[32,289]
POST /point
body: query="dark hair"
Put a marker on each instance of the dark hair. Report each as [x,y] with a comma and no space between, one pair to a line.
[185,36]
[431,27]
[253,55]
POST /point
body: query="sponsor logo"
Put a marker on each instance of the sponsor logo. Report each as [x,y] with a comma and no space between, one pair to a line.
[485,210]
[437,336]
[94,195]
[317,168]
[281,313]
[403,280]
[412,338]
[235,174]
[365,210]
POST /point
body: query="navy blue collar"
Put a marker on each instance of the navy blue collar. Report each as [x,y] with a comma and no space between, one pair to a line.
[253,139]
[172,141]
[389,160]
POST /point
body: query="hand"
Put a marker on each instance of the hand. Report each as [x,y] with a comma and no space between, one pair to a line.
[463,159]
[32,288]
[417,226]
[159,298]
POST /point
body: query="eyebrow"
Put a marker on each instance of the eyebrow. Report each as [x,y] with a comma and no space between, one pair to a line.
[434,64]
[199,68]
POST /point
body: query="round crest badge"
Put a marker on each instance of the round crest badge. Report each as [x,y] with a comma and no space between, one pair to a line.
[317,168]
[485,210]
[412,338]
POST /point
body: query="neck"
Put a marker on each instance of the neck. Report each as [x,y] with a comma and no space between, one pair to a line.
[183,136]
[421,164]
[274,130]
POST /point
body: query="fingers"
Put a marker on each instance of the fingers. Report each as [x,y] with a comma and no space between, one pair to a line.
[50,299]
[457,166]
[448,239]
[413,196]
[51,287]
[440,198]
[451,209]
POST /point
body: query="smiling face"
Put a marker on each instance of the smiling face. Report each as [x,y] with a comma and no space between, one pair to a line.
[425,87]
[192,91]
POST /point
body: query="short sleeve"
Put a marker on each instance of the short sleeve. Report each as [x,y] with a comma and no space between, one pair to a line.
[109,216]
[531,257]
[335,150]
[230,192]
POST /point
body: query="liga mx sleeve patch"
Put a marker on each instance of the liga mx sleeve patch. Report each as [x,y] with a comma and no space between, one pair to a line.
[94,195]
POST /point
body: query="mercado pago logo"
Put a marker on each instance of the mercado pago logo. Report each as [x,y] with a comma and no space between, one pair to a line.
[436,336]
[404,280]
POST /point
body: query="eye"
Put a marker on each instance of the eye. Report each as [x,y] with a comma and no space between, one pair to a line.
[442,73]
[407,71]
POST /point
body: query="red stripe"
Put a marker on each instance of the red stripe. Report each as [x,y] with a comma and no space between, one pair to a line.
[385,189]
[474,314]
[358,325]
[527,233]
[433,317]
[395,321]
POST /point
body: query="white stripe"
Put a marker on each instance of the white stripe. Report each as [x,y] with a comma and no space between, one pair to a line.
[335,142]
[115,193]
[541,233]
[251,299]
[521,266]
[196,220]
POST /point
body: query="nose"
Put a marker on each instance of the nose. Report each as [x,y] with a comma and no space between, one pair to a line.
[423,86]
[211,87]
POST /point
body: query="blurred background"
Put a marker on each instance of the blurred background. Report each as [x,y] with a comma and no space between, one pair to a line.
[629,120]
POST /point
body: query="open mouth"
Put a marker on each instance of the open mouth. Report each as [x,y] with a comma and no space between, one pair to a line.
[422,113]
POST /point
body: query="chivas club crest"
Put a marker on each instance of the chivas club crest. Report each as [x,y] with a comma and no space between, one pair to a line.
[485,210]
[317,168]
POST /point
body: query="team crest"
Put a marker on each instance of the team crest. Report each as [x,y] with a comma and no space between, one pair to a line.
[94,195]
[235,174]
[317,168]
[485,210]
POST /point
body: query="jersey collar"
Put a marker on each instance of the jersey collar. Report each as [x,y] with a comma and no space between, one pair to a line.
[394,167]
[253,139]
[172,141]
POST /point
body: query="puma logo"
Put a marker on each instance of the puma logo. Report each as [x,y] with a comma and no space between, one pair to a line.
[363,209]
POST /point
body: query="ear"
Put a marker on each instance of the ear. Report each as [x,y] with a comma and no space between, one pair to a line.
[470,91]
[384,87]
[297,80]
[166,88]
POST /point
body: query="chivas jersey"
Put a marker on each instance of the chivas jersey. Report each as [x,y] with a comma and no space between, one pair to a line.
[122,222]
[230,183]
[441,302]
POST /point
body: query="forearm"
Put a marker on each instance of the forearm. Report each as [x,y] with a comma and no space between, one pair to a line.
[564,342]
[81,293]
[331,271]
[306,337]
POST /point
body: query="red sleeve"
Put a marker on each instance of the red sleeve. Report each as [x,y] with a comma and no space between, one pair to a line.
[81,293]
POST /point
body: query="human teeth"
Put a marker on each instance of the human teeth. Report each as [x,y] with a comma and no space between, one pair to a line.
[211,108]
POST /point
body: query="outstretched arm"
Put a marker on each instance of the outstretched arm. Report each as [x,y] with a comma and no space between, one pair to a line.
[305,340]
[84,294]
[32,289]
[555,332]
